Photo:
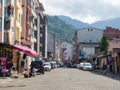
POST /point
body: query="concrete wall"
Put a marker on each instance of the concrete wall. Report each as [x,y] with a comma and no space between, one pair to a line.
[89,35]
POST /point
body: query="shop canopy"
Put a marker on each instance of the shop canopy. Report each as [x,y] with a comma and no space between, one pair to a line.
[26,50]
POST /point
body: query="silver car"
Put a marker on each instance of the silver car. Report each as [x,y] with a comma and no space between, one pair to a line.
[47,66]
[87,66]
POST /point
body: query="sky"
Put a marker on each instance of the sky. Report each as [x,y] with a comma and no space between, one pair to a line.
[88,11]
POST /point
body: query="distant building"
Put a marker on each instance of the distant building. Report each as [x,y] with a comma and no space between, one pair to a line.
[51,45]
[39,11]
[111,33]
[58,51]
[66,51]
[86,42]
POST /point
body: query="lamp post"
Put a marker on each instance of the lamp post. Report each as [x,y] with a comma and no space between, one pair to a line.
[2,21]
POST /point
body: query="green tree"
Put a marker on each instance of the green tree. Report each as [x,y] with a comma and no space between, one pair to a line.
[104,44]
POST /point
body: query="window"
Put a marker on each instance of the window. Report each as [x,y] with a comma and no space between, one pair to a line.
[32,5]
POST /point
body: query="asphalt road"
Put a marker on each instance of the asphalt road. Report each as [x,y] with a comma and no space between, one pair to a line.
[64,79]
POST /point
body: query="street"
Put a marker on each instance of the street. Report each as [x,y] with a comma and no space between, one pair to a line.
[64,79]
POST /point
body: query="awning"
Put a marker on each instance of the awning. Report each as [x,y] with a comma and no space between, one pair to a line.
[5,45]
[26,50]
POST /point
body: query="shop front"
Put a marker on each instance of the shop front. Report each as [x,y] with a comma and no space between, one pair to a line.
[15,58]
[6,59]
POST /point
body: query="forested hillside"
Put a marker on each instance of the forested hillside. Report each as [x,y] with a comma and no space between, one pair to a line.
[62,30]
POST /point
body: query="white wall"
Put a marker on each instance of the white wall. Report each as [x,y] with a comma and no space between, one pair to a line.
[89,34]
[67,55]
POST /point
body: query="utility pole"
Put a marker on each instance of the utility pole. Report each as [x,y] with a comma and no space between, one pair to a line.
[2,21]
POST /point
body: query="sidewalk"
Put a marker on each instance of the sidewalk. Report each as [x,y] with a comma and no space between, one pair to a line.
[15,76]
[4,80]
[108,74]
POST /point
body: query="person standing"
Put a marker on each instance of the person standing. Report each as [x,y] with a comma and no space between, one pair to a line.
[0,69]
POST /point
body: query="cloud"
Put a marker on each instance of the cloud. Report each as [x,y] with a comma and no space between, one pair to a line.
[84,10]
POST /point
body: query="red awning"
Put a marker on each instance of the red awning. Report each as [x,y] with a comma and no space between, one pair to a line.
[26,50]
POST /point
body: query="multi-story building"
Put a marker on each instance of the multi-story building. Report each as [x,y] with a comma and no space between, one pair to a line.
[9,17]
[25,19]
[86,42]
[0,20]
[58,53]
[66,49]
[41,33]
[51,45]
[28,19]
[18,21]
[111,33]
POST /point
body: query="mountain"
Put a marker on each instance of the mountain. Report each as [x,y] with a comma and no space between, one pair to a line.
[64,27]
[76,23]
[115,23]
[62,30]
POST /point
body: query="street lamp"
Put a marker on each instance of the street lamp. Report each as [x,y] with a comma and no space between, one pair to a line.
[2,21]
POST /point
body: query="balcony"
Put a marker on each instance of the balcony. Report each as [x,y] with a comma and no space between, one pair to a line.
[18,25]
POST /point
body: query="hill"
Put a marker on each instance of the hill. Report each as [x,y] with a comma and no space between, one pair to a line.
[62,30]
[64,27]
[99,24]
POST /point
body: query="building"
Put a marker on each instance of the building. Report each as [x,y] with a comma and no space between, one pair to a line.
[111,33]
[66,49]
[18,21]
[9,18]
[58,51]
[43,32]
[38,35]
[51,46]
[86,42]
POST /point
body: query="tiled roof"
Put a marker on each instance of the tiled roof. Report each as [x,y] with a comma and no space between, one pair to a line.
[114,44]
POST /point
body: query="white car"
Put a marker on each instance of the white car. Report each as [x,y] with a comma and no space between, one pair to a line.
[87,66]
[81,65]
[47,66]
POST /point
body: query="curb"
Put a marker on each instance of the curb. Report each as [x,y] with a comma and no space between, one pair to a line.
[4,80]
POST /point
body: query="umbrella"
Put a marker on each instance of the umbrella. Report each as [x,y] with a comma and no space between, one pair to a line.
[26,50]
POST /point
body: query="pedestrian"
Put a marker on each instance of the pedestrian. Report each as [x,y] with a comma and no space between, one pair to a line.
[111,68]
[32,69]
[0,69]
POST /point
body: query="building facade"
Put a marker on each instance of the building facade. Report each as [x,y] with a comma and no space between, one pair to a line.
[111,33]
[37,34]
[9,18]
[51,46]
[18,21]
[66,49]
[86,42]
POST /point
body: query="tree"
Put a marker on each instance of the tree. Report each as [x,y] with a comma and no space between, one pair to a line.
[104,44]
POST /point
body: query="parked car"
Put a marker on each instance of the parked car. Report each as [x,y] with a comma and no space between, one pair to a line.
[47,66]
[81,65]
[87,66]
[39,66]
[78,66]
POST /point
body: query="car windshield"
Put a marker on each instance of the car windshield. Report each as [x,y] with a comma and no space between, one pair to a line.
[46,64]
[87,64]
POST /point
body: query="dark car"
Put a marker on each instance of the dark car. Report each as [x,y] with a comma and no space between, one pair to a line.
[39,66]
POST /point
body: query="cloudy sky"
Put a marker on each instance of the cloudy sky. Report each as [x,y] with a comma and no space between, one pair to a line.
[84,10]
